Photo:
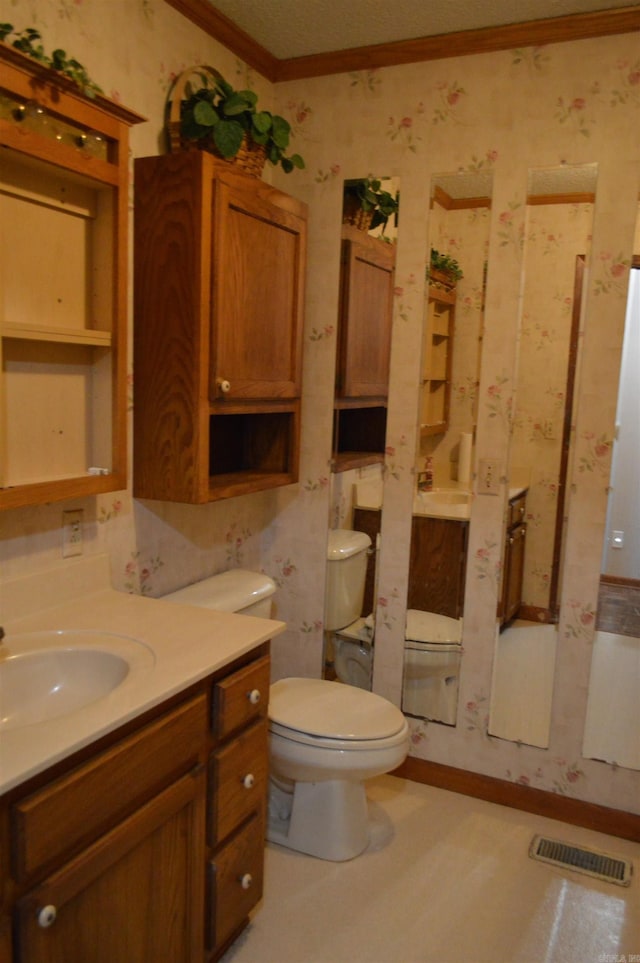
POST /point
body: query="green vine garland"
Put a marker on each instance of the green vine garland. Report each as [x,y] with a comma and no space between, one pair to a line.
[27,42]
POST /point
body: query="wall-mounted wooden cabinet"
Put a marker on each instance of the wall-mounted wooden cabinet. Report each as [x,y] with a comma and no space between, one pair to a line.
[437,357]
[219,273]
[364,347]
[63,272]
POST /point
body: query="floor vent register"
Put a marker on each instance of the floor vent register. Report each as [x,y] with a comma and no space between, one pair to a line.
[553,851]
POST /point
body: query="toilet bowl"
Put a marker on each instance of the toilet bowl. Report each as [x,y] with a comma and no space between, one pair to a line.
[325,739]
[432,657]
[353,653]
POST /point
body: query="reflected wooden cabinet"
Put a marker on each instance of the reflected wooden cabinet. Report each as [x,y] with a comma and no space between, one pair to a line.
[513,560]
[148,848]
[364,345]
[437,565]
[63,276]
[219,293]
[437,359]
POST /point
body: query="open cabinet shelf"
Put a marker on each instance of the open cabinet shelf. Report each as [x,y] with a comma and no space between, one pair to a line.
[63,209]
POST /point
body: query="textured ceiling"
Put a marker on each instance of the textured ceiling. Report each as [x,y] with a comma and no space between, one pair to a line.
[296,28]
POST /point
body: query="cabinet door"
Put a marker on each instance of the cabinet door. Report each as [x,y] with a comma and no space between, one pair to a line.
[437,565]
[136,895]
[259,245]
[365,318]
[513,572]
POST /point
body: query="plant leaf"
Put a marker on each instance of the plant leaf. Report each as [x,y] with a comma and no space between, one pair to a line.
[227,136]
[204,114]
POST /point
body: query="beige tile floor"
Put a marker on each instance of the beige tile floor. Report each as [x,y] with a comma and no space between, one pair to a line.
[446,879]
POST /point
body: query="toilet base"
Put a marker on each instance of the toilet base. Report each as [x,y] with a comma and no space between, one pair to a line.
[324,819]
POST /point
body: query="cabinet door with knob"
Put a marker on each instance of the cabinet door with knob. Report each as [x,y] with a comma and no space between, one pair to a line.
[513,561]
[219,272]
[90,909]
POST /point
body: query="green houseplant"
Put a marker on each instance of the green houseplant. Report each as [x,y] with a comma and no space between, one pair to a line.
[367,205]
[443,269]
[217,116]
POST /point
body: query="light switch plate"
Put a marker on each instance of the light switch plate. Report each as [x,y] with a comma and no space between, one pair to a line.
[489,477]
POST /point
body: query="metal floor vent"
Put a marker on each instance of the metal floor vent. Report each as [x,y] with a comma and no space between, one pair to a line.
[587,861]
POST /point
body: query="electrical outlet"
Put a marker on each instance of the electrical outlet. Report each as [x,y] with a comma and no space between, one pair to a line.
[72,533]
[489,477]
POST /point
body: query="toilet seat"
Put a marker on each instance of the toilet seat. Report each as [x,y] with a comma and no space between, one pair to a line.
[333,716]
[429,632]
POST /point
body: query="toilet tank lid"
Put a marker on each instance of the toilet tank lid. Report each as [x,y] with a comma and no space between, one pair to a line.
[333,710]
[429,627]
[343,543]
[227,592]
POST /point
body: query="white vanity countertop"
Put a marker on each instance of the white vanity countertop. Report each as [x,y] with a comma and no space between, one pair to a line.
[187,643]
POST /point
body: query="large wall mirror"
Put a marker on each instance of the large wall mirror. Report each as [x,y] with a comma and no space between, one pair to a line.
[558,227]
[612,726]
[455,265]
[367,240]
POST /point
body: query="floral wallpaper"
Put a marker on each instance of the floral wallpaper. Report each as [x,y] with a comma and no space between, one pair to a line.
[569,103]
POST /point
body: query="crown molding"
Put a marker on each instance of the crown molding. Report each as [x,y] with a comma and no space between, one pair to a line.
[535,33]
[205,16]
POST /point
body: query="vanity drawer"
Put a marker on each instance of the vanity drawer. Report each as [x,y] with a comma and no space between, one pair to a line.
[517,511]
[238,776]
[67,814]
[235,882]
[241,697]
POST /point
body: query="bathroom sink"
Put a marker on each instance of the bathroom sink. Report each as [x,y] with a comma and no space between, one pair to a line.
[447,502]
[445,496]
[46,675]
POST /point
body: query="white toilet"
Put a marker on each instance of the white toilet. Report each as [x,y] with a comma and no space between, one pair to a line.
[352,638]
[325,738]
[247,593]
[432,655]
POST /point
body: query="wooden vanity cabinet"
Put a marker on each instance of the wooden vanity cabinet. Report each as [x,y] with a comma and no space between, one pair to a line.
[238,774]
[367,275]
[437,359]
[112,854]
[63,279]
[437,565]
[219,262]
[513,559]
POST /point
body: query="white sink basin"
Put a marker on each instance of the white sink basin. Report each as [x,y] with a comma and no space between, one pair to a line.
[446,502]
[45,675]
[444,496]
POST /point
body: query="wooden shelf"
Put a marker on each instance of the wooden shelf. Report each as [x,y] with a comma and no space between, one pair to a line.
[437,355]
[34,332]
[63,304]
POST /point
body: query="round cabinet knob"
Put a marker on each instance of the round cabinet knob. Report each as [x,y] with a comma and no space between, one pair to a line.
[47,916]
[224,385]
[254,697]
[249,781]
[246,881]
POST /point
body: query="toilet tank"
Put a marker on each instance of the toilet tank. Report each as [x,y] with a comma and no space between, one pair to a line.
[240,591]
[346,573]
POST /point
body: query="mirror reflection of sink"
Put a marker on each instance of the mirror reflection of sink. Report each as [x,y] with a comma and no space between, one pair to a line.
[444,496]
[46,675]
[443,501]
